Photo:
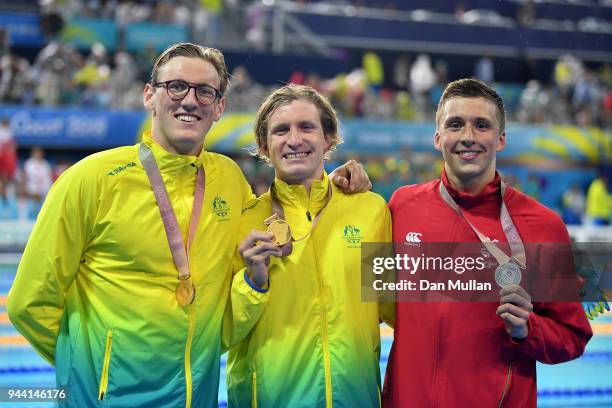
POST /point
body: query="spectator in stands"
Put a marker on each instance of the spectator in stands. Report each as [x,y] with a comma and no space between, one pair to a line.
[573,205]
[125,86]
[533,103]
[485,70]
[526,14]
[374,71]
[598,205]
[14,77]
[38,178]
[8,158]
[244,95]
[401,73]
[62,164]
[422,80]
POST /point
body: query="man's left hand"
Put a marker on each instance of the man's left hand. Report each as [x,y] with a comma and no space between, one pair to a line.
[351,178]
[515,310]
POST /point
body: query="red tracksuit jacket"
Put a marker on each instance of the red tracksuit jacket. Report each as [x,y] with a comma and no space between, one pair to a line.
[459,354]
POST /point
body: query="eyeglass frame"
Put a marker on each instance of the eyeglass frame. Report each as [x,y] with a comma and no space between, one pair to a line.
[190,85]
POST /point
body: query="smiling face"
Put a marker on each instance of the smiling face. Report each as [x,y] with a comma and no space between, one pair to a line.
[296,142]
[468,135]
[180,126]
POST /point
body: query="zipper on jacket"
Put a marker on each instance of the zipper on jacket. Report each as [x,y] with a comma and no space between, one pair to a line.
[188,379]
[105,365]
[254,390]
[325,342]
[508,377]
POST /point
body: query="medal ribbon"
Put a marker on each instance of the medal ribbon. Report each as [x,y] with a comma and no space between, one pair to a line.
[514,240]
[277,208]
[180,254]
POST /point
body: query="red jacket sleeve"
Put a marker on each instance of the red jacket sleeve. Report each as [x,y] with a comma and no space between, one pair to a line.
[558,332]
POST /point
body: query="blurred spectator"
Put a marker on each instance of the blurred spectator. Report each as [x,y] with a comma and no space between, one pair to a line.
[401,73]
[587,94]
[533,103]
[314,80]
[38,178]
[256,25]
[243,95]
[422,80]
[573,204]
[61,166]
[441,69]
[297,77]
[126,88]
[144,61]
[403,106]
[214,29]
[51,20]
[374,72]
[598,201]
[526,14]
[459,11]
[14,77]
[567,71]
[484,70]
[533,186]
[8,158]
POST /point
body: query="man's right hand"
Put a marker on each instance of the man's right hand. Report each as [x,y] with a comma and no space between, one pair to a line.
[256,250]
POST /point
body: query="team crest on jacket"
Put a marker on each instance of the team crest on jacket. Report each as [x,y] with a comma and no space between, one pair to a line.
[352,235]
[221,208]
[414,239]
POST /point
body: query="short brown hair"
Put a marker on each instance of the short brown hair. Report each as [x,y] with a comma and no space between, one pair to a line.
[186,49]
[286,95]
[473,88]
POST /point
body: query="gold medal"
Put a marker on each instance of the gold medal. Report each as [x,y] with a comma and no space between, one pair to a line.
[281,231]
[185,293]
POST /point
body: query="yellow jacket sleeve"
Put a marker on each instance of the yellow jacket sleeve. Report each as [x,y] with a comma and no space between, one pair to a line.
[246,302]
[51,260]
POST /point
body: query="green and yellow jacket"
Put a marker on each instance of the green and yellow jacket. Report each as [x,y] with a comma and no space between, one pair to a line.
[95,289]
[317,344]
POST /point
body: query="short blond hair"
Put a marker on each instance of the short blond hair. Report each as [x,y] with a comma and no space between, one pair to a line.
[286,95]
[186,49]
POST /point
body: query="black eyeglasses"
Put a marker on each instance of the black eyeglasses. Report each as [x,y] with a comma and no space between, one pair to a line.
[177,89]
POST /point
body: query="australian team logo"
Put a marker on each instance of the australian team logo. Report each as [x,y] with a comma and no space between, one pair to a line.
[352,235]
[220,207]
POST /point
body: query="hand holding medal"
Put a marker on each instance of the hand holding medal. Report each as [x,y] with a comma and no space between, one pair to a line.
[514,310]
[256,250]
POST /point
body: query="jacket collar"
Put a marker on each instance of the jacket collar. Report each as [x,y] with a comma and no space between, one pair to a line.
[168,161]
[295,194]
[488,199]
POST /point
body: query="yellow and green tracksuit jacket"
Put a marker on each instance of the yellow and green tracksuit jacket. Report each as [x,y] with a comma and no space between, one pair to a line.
[95,289]
[316,344]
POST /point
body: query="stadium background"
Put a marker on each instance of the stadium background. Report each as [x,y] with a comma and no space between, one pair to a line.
[72,73]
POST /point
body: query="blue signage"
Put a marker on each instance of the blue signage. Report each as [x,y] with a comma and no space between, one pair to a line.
[23,29]
[73,128]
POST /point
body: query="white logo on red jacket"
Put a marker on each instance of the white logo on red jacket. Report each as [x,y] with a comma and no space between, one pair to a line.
[413,238]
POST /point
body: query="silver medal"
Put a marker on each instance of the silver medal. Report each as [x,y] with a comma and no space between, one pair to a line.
[508,274]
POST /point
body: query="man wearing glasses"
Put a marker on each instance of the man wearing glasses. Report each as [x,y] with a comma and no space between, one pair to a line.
[126,275]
